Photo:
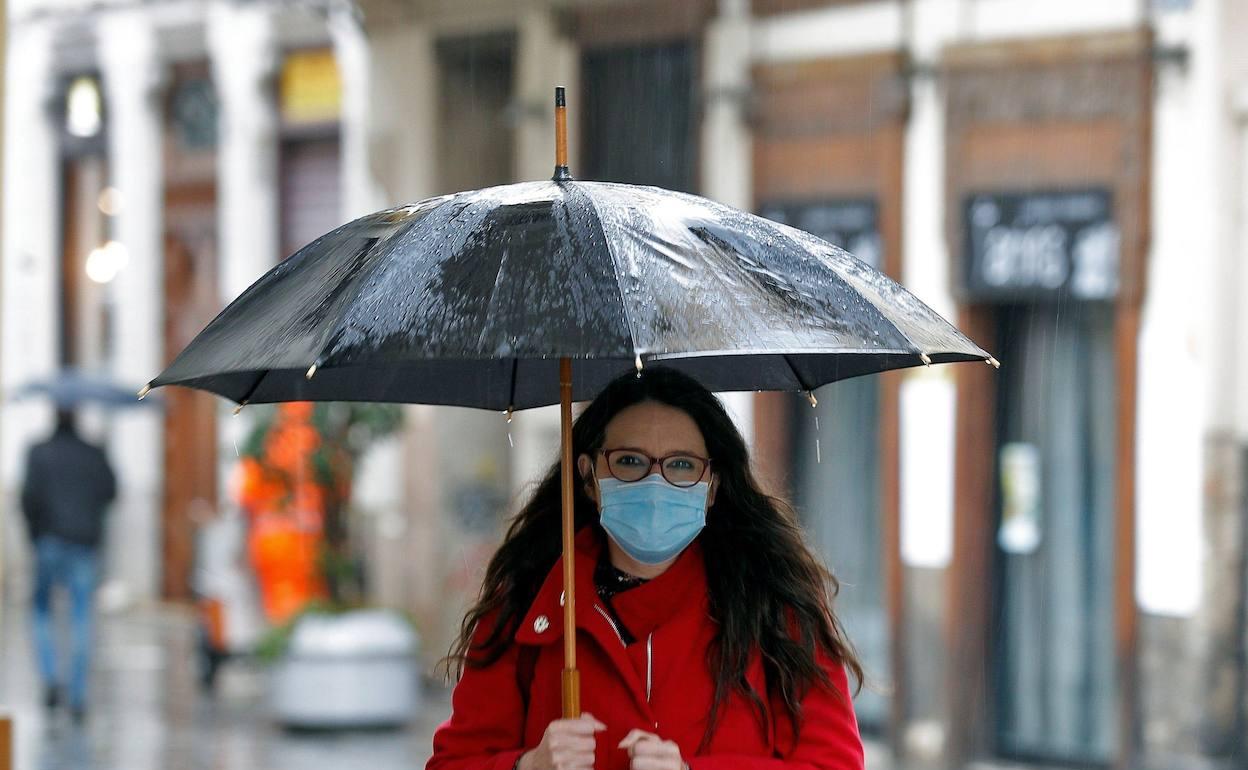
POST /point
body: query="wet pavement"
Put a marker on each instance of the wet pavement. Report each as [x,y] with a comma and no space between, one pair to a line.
[147,712]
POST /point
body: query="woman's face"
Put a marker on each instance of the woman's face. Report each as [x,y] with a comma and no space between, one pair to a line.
[658,430]
[654,428]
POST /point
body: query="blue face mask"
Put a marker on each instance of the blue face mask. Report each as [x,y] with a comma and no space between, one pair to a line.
[650,519]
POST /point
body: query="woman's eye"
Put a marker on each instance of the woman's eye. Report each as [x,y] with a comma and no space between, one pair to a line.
[680,464]
[628,460]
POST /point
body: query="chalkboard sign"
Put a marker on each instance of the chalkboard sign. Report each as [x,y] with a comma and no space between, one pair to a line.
[851,224]
[1040,246]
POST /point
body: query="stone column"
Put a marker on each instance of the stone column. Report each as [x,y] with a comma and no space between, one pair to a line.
[403,110]
[244,56]
[380,479]
[545,59]
[133,76]
[727,146]
[361,191]
[399,139]
[31,264]
[928,396]
[243,48]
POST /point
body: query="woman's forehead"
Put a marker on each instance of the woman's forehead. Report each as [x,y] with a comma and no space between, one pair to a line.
[656,428]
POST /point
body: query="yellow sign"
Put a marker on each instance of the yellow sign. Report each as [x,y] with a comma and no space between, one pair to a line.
[310,90]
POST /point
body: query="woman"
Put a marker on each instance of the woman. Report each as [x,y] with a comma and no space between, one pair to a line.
[706,639]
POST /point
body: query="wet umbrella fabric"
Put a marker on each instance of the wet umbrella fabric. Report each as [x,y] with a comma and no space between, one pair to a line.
[471,300]
[72,388]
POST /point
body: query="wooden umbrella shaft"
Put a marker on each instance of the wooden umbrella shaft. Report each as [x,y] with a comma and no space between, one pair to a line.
[561,137]
[571,677]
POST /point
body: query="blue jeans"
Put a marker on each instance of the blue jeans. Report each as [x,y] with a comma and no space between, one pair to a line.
[59,562]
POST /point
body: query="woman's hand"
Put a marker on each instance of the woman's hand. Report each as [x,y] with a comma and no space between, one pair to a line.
[568,744]
[647,751]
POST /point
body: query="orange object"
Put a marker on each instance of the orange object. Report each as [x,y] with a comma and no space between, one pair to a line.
[285,553]
[287,503]
[212,614]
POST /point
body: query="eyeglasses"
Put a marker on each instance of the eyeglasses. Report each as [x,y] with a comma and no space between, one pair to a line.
[679,470]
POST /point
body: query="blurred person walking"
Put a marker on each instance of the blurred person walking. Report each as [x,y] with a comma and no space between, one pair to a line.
[67,489]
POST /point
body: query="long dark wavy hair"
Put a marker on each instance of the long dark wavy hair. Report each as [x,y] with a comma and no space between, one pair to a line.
[768,594]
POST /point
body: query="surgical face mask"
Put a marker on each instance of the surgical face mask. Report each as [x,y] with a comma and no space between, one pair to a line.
[650,519]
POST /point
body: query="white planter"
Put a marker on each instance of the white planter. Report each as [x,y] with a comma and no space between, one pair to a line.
[357,669]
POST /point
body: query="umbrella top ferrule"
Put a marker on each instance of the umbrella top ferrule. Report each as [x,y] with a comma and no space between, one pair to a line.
[810,396]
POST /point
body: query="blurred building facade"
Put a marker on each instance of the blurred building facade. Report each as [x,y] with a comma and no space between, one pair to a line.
[1045,563]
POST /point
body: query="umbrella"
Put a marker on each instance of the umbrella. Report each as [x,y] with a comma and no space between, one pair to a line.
[485,299]
[71,388]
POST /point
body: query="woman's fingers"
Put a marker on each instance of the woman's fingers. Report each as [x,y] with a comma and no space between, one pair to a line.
[655,747]
[573,761]
[655,763]
[586,725]
[568,744]
[634,736]
[649,752]
[571,743]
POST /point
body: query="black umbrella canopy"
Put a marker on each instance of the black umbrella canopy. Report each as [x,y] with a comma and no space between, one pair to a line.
[471,300]
[487,299]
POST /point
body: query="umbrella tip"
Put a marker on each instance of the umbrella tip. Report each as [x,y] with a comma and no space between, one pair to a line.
[511,410]
[994,363]
[810,396]
[311,371]
[926,359]
[637,364]
[238,409]
[143,391]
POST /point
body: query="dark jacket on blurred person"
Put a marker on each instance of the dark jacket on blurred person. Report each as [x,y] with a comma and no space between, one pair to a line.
[68,487]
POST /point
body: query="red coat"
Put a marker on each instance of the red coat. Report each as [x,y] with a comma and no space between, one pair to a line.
[670,695]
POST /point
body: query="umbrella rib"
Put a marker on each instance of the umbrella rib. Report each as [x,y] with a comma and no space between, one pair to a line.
[796,375]
[254,387]
[511,393]
[878,306]
[615,269]
[373,266]
[347,307]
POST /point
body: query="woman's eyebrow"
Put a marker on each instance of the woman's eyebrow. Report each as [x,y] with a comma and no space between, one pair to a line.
[665,454]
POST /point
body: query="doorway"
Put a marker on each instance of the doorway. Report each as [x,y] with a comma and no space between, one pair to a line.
[1053,611]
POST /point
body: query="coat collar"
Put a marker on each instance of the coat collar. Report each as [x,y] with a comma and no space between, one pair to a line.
[648,606]
[651,604]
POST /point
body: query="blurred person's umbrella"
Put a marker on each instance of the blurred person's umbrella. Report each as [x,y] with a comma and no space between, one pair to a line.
[72,388]
[485,298]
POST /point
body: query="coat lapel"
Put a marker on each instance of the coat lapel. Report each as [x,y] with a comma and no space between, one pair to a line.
[543,625]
